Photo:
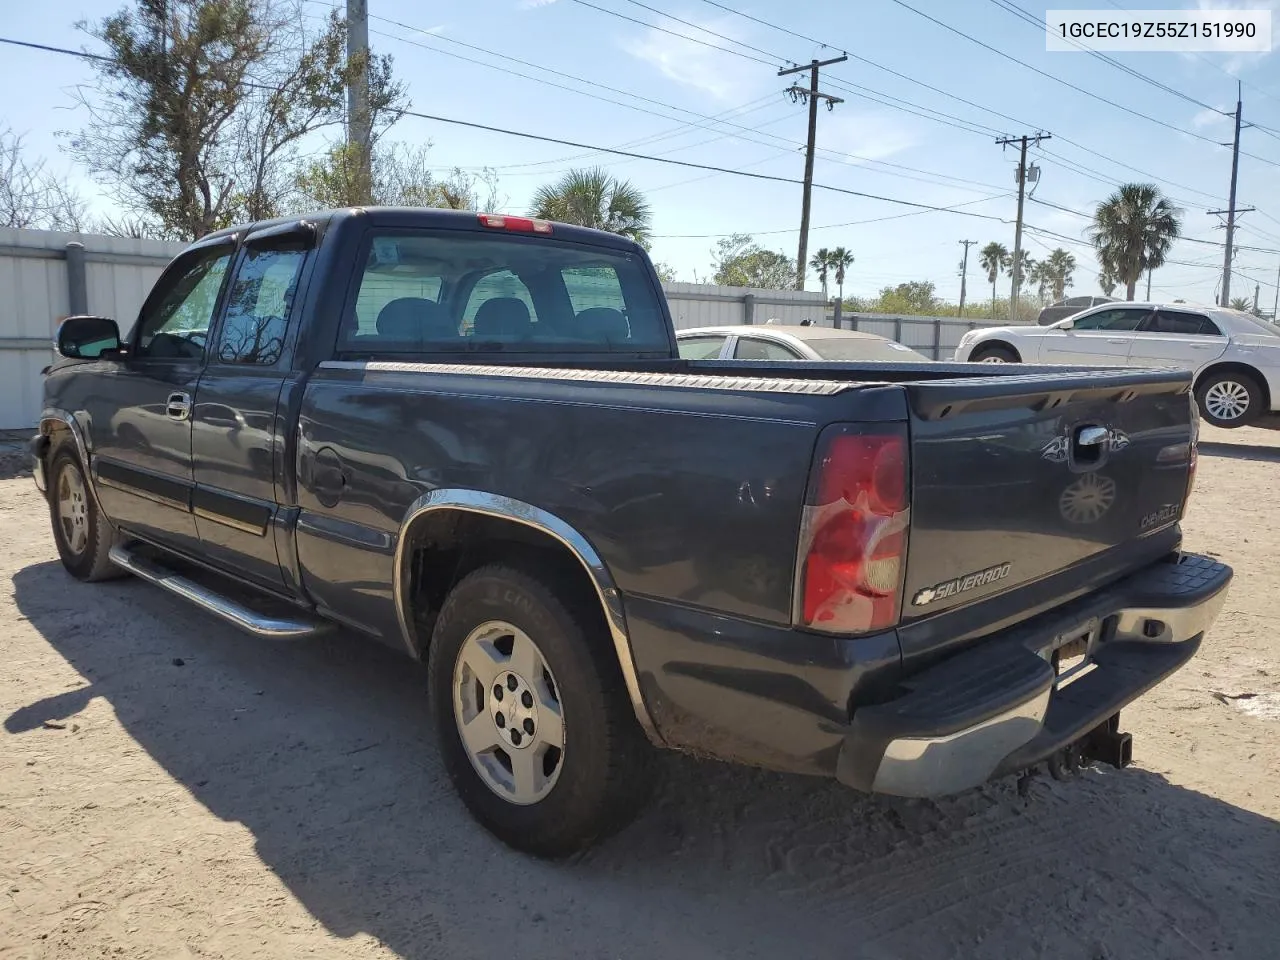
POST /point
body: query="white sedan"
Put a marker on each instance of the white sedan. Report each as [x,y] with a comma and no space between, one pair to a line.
[1235,356]
[771,341]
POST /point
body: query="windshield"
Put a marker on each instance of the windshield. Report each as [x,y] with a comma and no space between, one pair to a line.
[858,348]
[439,291]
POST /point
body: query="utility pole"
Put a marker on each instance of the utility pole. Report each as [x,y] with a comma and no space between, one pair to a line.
[1148,285]
[1275,307]
[811,96]
[964,271]
[359,123]
[1231,206]
[1016,269]
[1257,289]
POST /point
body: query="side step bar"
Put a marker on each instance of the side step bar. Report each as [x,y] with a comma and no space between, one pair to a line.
[232,611]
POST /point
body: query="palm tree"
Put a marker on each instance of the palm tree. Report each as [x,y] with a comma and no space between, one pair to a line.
[841,260]
[1241,303]
[1038,276]
[993,258]
[821,261]
[595,198]
[1133,231]
[1060,265]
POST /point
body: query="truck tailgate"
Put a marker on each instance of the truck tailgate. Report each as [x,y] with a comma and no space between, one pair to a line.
[1015,479]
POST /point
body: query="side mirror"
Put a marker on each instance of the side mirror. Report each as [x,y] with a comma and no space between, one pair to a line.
[87,338]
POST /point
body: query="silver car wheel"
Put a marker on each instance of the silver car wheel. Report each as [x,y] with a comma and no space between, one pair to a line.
[73,509]
[507,709]
[1227,400]
[993,358]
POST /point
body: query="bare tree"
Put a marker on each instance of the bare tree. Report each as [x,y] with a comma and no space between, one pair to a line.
[402,177]
[204,105]
[32,197]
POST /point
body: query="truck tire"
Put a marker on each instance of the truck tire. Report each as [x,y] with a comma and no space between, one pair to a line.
[82,534]
[1229,398]
[534,723]
[994,353]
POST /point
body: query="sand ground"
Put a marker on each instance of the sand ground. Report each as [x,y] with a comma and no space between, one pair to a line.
[170,788]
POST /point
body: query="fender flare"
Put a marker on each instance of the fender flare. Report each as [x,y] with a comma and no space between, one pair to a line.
[528,515]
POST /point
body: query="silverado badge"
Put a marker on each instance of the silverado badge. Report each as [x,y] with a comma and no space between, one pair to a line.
[949,588]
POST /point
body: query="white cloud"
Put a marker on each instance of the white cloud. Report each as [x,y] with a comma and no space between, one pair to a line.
[1208,118]
[693,64]
[534,4]
[863,136]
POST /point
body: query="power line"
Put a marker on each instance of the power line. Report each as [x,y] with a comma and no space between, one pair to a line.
[947,93]
[1028,17]
[832,226]
[694,166]
[1049,76]
[836,156]
[682,36]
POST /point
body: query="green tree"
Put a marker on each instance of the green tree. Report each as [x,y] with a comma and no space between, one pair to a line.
[1133,231]
[821,262]
[917,296]
[1020,268]
[739,261]
[401,176]
[841,261]
[203,107]
[1059,267]
[595,198]
[1241,303]
[666,272]
[993,258]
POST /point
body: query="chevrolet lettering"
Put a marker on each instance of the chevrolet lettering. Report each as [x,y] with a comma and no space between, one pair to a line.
[970,581]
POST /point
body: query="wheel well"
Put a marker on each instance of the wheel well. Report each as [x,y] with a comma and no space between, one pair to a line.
[443,546]
[998,345]
[1242,368]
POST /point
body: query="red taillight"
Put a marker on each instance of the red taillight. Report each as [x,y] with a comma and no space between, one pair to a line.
[854,535]
[498,221]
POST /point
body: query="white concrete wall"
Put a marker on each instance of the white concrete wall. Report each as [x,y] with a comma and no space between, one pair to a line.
[709,305]
[34,298]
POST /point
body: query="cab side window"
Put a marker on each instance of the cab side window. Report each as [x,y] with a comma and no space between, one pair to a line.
[174,325]
[1184,324]
[258,306]
[1112,320]
[749,348]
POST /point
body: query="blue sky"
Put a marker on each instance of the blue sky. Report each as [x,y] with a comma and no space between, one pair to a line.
[895,148]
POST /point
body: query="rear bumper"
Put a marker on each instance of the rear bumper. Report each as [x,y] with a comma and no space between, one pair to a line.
[999,707]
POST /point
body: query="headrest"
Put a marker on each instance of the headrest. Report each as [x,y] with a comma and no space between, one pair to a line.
[603,324]
[414,318]
[502,317]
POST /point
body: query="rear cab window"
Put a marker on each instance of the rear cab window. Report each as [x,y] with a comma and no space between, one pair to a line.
[453,291]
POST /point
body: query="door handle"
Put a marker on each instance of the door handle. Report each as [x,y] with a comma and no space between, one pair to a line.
[1117,341]
[178,406]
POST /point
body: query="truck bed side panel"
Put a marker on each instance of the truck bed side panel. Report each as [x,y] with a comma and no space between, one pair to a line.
[690,495]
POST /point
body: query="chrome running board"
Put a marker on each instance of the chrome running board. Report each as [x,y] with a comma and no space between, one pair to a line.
[232,611]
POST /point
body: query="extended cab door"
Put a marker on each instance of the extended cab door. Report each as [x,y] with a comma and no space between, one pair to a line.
[237,438]
[1177,338]
[139,412]
[1101,338]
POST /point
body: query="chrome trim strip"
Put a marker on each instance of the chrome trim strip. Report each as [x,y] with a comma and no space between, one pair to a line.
[1179,623]
[203,514]
[620,377]
[142,494]
[505,508]
[271,628]
[936,766]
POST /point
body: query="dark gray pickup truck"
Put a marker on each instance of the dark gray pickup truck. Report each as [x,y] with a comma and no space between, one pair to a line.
[471,437]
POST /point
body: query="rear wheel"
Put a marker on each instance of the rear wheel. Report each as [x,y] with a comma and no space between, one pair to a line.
[535,726]
[1229,399]
[994,353]
[82,535]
